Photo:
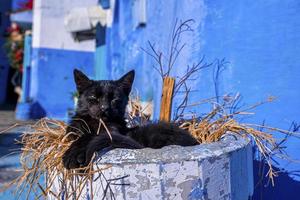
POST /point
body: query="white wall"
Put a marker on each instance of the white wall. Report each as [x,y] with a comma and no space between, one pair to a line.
[48,25]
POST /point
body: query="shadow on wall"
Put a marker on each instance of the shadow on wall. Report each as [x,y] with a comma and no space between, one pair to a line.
[285,186]
[28,110]
[37,111]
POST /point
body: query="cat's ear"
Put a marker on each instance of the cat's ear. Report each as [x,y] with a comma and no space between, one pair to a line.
[81,80]
[126,81]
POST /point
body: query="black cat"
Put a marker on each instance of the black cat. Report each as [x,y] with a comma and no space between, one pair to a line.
[107,100]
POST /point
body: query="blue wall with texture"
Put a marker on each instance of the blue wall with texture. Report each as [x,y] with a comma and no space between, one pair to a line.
[260,41]
[52,82]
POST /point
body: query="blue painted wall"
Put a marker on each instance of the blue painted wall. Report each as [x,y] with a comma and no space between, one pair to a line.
[26,68]
[23,111]
[100,53]
[260,40]
[52,80]
[4,66]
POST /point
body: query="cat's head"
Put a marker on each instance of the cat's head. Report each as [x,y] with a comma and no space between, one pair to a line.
[105,99]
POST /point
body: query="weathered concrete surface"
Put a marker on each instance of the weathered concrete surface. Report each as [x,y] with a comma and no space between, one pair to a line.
[221,170]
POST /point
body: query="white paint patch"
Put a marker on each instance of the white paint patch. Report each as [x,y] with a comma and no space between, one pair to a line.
[48,25]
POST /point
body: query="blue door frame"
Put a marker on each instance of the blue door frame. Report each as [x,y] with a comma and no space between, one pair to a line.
[100,53]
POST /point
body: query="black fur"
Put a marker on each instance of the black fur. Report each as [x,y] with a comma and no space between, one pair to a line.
[107,100]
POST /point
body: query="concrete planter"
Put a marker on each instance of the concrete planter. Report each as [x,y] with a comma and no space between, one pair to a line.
[221,170]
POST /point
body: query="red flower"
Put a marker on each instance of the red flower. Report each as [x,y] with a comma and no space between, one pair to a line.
[14,28]
[19,55]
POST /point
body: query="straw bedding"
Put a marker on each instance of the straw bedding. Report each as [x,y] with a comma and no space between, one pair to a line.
[44,146]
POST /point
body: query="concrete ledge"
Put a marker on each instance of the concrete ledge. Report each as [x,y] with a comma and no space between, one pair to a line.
[169,154]
[220,170]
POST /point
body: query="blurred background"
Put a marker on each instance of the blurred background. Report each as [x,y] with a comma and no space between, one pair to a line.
[42,41]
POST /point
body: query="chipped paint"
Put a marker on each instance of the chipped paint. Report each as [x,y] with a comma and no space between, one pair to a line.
[219,170]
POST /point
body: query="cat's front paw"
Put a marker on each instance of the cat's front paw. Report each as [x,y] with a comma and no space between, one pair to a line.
[75,156]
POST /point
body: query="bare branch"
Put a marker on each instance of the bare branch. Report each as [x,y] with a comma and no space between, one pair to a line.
[220,66]
[165,64]
[181,108]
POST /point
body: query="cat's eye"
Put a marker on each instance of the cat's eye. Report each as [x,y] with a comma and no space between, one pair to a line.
[92,98]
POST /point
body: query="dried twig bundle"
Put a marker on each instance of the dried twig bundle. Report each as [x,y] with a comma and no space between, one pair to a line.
[211,127]
[137,113]
[41,158]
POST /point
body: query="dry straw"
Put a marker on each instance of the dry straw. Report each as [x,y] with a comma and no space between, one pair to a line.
[212,126]
[41,159]
[46,143]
